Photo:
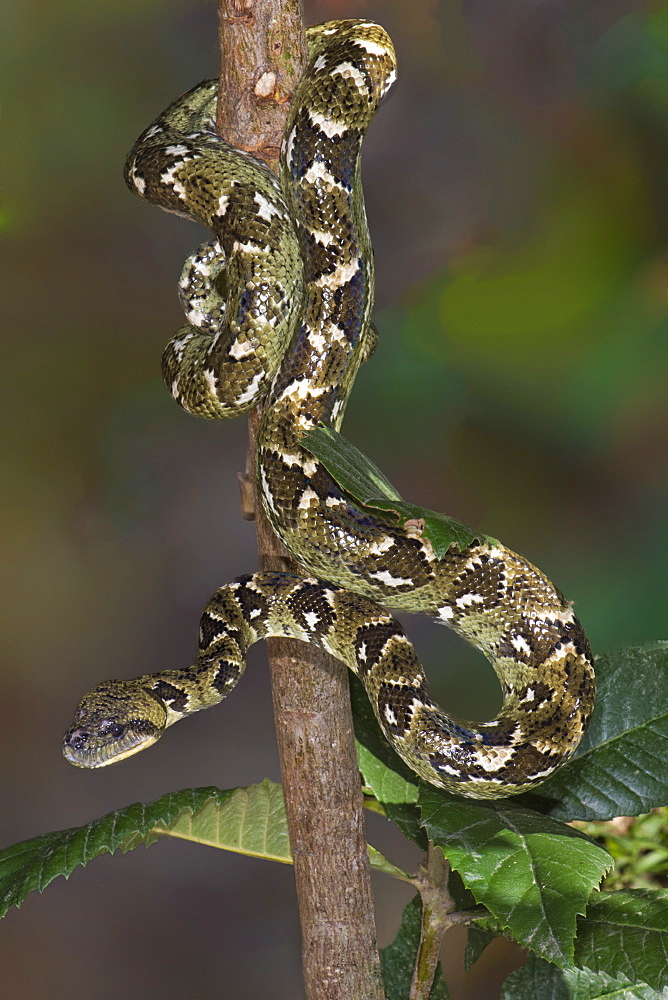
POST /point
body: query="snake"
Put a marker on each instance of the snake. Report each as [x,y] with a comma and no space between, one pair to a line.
[278,307]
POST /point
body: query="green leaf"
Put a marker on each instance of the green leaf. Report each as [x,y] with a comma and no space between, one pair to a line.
[385,774]
[250,821]
[463,899]
[539,979]
[625,934]
[620,766]
[359,476]
[387,785]
[477,939]
[364,481]
[398,959]
[246,820]
[33,864]
[533,874]
[380,863]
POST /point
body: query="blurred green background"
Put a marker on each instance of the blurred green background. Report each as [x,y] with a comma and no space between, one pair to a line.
[515,185]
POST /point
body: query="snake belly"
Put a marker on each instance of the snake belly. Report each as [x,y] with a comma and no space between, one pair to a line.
[358,564]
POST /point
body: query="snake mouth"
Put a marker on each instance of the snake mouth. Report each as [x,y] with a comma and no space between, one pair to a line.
[105,741]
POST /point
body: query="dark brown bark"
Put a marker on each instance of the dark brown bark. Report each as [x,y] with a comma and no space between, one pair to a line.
[262,57]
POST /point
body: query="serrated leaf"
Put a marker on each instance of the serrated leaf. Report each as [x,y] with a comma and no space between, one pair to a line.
[246,820]
[34,864]
[398,959]
[250,821]
[533,874]
[361,479]
[620,767]
[539,979]
[625,934]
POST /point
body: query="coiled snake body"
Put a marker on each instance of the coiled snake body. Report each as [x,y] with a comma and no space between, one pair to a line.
[295,322]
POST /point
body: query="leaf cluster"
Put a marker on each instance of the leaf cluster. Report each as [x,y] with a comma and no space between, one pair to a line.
[518,868]
[536,876]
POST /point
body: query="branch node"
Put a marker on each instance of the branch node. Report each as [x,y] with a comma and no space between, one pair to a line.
[247,498]
[266,85]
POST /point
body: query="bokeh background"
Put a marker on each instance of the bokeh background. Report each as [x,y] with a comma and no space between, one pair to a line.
[515,184]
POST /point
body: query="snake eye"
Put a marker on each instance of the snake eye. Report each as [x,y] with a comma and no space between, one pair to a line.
[113,729]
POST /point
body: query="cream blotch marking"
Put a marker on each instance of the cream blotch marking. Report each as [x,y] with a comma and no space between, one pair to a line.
[266,210]
[328,125]
[520,644]
[177,151]
[341,276]
[253,388]
[384,576]
[168,178]
[318,173]
[242,348]
[350,71]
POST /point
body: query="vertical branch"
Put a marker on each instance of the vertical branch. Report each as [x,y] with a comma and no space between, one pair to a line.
[437,905]
[262,57]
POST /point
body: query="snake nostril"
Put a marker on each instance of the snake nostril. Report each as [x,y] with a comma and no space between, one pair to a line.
[77,737]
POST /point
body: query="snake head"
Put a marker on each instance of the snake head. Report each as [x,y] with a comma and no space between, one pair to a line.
[114,720]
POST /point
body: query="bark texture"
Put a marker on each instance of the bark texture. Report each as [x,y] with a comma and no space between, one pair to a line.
[262,57]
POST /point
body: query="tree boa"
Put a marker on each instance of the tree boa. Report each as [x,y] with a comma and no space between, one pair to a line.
[292,322]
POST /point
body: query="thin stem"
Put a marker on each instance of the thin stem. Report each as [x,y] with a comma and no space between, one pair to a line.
[437,910]
[262,57]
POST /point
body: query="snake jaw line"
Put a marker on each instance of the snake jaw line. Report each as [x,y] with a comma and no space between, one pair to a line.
[113,721]
[81,751]
[89,747]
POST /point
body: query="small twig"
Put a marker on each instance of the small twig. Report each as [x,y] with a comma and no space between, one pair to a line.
[437,914]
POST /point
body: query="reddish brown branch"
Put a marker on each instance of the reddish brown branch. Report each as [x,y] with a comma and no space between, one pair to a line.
[262,57]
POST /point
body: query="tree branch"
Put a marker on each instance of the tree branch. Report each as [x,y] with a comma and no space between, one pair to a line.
[262,57]
[437,906]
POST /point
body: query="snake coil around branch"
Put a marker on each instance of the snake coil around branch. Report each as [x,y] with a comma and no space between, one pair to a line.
[278,306]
